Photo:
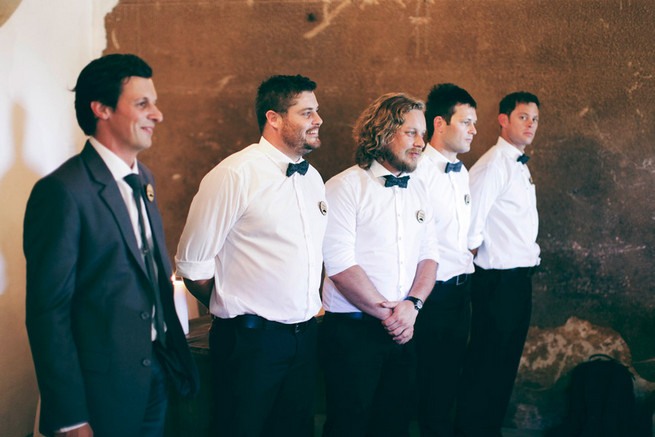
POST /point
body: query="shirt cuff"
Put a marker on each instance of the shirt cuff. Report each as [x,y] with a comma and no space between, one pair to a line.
[72,427]
[474,242]
[335,269]
[195,270]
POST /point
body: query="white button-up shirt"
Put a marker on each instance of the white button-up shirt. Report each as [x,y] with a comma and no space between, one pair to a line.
[504,220]
[450,199]
[258,233]
[384,230]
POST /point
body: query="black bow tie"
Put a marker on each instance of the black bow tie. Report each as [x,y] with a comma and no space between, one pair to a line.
[301,168]
[523,158]
[392,180]
[454,166]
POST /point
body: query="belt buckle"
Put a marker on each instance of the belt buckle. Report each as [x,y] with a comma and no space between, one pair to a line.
[462,277]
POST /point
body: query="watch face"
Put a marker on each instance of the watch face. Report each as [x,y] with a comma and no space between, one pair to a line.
[418,303]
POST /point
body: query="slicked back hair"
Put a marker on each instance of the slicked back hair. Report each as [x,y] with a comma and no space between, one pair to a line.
[102,81]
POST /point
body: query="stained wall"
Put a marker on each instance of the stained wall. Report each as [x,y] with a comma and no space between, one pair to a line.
[592,64]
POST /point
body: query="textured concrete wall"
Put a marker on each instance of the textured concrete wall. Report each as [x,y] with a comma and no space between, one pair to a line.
[590,62]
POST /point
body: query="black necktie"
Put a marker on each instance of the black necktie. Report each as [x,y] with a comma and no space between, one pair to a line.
[456,167]
[134,181]
[523,158]
[392,180]
[301,168]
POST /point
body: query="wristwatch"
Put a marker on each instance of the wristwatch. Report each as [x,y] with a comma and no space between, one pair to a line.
[418,303]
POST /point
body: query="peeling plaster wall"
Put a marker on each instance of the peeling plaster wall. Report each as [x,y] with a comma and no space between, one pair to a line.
[592,63]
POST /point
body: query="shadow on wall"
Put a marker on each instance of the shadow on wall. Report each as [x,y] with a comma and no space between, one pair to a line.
[20,395]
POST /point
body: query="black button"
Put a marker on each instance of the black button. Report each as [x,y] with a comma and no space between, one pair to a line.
[145,316]
[146,362]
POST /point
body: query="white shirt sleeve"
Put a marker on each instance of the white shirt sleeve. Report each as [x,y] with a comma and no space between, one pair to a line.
[214,210]
[486,183]
[430,244]
[340,234]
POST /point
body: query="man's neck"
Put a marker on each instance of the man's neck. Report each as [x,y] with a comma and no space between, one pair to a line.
[520,148]
[129,157]
[282,147]
[393,170]
[448,154]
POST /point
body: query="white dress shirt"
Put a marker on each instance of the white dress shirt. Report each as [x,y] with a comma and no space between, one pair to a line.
[450,199]
[258,233]
[384,230]
[119,169]
[504,219]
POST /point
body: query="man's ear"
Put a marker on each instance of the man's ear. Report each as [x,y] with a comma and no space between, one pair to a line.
[274,119]
[503,119]
[101,111]
[439,123]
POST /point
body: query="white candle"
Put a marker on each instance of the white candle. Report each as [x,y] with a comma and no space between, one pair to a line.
[181,308]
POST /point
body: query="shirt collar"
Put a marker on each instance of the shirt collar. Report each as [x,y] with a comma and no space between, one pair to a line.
[118,168]
[275,155]
[508,149]
[378,171]
[437,157]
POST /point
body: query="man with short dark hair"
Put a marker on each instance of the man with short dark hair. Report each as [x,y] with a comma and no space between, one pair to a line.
[105,337]
[380,262]
[251,252]
[503,233]
[442,327]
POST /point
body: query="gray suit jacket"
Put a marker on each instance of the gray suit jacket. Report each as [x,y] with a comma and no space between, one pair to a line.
[88,307]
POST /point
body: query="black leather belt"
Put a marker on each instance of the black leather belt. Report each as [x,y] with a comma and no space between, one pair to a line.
[352,316]
[456,280]
[252,321]
[528,270]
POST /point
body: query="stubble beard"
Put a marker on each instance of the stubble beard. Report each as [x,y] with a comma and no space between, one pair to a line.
[297,141]
[397,163]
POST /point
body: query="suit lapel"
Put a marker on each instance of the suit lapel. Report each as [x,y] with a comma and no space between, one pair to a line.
[111,196]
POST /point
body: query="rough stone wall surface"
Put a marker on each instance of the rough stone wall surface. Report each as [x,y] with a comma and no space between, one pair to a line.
[592,64]
[540,400]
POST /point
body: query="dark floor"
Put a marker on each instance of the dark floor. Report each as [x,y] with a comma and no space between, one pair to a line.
[413,431]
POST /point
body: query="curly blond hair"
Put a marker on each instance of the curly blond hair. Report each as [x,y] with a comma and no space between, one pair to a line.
[379,123]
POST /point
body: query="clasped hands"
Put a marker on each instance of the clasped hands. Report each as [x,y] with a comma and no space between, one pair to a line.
[400,324]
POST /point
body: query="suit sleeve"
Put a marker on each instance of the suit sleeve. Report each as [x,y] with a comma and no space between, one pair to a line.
[50,243]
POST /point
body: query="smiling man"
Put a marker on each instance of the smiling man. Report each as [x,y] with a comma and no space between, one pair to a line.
[503,234]
[380,261]
[251,252]
[100,313]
